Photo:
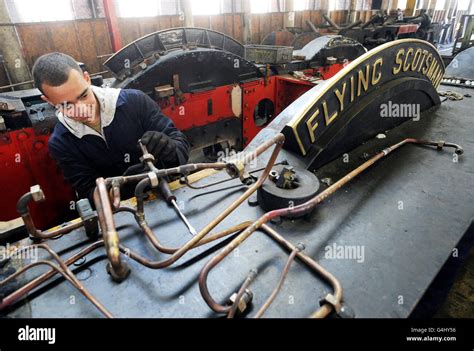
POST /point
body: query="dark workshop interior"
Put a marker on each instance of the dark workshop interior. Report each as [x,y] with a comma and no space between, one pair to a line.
[237,159]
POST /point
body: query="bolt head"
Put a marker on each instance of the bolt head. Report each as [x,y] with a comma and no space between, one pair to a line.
[36,193]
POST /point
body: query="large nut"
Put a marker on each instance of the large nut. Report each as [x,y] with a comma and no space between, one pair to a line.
[36,193]
[244,302]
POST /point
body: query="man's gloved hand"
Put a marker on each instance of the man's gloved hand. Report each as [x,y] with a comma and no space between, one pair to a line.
[161,146]
[135,169]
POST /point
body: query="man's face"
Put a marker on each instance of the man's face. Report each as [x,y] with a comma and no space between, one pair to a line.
[74,98]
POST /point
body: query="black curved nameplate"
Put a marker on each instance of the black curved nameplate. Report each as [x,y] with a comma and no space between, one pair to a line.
[383,88]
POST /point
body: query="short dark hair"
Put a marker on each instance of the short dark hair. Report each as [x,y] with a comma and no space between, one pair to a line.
[53,69]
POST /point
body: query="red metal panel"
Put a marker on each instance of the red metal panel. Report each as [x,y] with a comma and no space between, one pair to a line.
[199,109]
[25,161]
[408,28]
[112,24]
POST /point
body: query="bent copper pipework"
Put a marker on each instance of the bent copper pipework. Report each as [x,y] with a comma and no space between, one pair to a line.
[79,286]
[286,270]
[63,269]
[184,169]
[250,278]
[278,142]
[118,270]
[23,210]
[193,167]
[20,292]
[326,308]
[299,210]
[25,289]
[323,311]
[169,250]
[185,179]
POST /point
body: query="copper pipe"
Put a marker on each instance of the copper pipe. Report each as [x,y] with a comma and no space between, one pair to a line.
[64,270]
[79,286]
[168,250]
[117,269]
[298,210]
[325,309]
[185,179]
[23,210]
[286,269]
[16,295]
[184,169]
[250,278]
[278,141]
[313,265]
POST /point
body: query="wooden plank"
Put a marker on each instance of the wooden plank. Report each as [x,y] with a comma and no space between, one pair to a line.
[265,27]
[87,46]
[148,25]
[64,37]
[164,22]
[276,21]
[176,21]
[102,37]
[35,40]
[255,29]
[229,25]
[217,23]
[317,18]
[305,16]
[129,30]
[202,21]
[238,27]
[298,19]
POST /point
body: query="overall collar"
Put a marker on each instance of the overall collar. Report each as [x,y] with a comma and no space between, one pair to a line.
[107,99]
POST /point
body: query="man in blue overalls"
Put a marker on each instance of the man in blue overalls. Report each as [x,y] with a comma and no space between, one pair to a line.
[99,127]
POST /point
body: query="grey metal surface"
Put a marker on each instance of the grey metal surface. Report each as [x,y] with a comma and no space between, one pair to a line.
[403,248]
[461,66]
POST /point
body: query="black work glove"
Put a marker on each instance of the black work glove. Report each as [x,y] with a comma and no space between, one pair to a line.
[161,146]
[139,168]
[128,189]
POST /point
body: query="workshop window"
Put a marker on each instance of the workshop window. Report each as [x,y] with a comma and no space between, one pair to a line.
[207,7]
[402,4]
[420,4]
[363,5]
[301,5]
[339,5]
[265,6]
[39,11]
[138,8]
[463,5]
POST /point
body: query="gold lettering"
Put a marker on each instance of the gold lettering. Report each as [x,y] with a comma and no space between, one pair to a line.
[340,96]
[363,80]
[427,64]
[398,61]
[352,88]
[425,52]
[406,66]
[434,75]
[416,60]
[326,114]
[434,65]
[378,62]
[312,127]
